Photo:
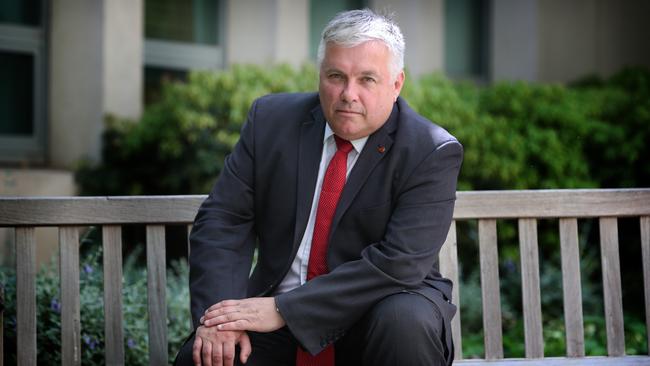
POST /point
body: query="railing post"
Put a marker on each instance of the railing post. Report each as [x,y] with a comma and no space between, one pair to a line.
[2,310]
[156,286]
[113,317]
[26,296]
[70,307]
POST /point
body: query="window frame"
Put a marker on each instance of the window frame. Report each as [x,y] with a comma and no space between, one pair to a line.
[187,55]
[30,40]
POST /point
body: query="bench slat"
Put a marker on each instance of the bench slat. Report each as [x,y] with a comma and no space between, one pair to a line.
[70,310]
[449,269]
[612,293]
[490,293]
[645,255]
[156,280]
[530,288]
[113,331]
[563,361]
[49,211]
[573,321]
[552,203]
[26,295]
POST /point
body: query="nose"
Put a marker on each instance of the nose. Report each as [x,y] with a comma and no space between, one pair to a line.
[349,93]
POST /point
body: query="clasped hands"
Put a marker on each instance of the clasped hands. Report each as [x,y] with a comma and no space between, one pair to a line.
[224,325]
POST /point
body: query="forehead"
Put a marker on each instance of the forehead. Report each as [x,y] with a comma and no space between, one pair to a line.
[367,56]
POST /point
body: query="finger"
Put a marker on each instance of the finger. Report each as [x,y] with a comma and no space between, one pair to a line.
[207,353]
[217,354]
[236,325]
[221,304]
[225,318]
[196,350]
[229,314]
[245,348]
[228,353]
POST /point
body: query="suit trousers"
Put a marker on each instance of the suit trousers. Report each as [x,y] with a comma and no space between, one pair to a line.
[401,329]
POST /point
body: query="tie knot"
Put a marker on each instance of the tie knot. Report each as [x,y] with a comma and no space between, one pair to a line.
[343,145]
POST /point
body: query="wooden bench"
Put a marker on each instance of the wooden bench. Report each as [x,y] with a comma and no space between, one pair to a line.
[69,214]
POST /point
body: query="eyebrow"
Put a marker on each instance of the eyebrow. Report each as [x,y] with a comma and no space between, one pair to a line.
[363,73]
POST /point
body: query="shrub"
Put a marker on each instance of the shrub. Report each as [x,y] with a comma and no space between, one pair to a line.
[516,135]
[179,145]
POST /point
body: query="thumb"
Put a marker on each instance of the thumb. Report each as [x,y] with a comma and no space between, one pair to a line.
[245,348]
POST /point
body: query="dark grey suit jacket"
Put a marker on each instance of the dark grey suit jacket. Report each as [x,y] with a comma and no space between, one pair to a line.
[390,223]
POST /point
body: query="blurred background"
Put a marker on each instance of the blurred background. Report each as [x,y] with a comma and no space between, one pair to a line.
[125,97]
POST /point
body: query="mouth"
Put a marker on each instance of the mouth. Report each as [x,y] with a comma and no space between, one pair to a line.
[344,111]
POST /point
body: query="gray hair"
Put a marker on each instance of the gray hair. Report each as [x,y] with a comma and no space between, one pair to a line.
[354,27]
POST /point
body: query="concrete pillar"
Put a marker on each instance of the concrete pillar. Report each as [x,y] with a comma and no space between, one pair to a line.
[514,47]
[123,65]
[567,39]
[95,69]
[292,35]
[267,31]
[622,29]
[422,23]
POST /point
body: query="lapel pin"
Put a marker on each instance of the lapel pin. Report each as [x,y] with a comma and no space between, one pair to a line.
[381,148]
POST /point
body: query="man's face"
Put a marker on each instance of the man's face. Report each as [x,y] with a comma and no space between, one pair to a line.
[357,90]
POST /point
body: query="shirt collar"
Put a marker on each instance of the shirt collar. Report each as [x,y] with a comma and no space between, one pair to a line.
[358,144]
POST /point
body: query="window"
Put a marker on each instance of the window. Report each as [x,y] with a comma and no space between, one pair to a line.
[180,35]
[321,12]
[466,39]
[22,81]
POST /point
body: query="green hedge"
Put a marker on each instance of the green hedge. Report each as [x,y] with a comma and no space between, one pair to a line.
[516,135]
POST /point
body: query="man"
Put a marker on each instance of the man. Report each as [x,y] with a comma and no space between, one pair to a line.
[348,195]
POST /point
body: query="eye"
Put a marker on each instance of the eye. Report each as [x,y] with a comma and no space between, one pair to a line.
[368,79]
[335,76]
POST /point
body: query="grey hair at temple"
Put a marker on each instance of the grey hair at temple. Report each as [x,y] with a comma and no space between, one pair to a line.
[354,27]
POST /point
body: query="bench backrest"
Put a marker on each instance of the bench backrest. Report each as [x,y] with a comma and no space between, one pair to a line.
[68,214]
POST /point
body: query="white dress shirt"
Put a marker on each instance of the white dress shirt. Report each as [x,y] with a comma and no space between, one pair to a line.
[297,274]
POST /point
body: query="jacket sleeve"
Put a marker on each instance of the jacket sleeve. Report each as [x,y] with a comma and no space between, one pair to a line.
[319,312]
[222,239]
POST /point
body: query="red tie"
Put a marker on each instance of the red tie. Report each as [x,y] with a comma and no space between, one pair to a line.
[330,193]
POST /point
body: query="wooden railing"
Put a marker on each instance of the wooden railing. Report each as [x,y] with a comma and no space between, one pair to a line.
[69,214]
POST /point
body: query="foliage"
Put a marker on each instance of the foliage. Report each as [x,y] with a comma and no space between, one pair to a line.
[516,135]
[134,307]
[179,145]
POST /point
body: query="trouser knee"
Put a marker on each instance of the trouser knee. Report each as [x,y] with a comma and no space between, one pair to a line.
[401,329]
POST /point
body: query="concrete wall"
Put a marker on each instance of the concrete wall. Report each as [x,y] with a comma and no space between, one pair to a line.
[95,68]
[422,23]
[76,79]
[33,182]
[513,49]
[122,51]
[560,41]
[267,31]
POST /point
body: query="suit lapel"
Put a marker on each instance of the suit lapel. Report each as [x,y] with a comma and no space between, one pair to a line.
[310,148]
[377,146]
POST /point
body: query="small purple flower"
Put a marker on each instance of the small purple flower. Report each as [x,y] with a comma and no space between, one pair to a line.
[88,268]
[130,343]
[90,342]
[55,305]
[510,266]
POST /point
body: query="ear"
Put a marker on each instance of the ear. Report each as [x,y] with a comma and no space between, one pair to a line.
[398,84]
